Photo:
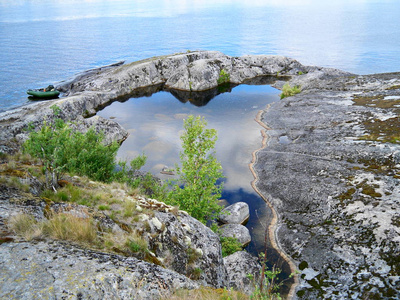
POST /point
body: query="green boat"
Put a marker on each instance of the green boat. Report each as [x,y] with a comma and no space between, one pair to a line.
[48,93]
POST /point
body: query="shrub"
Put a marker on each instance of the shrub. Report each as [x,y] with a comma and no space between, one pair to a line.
[288,91]
[224,77]
[197,190]
[138,162]
[62,149]
[230,245]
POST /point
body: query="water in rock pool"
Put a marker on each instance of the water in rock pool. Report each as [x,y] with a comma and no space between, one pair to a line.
[155,124]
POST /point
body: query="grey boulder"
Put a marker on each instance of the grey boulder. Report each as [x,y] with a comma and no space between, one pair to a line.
[237,231]
[237,213]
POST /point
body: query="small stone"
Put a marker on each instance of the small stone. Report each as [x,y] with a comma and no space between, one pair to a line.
[187,241]
[156,222]
[143,217]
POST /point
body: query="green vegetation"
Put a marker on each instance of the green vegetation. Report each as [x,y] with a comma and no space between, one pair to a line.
[224,77]
[230,245]
[197,190]
[384,131]
[137,244]
[62,149]
[288,91]
[267,287]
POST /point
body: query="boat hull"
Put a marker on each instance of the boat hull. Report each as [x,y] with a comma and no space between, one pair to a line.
[43,95]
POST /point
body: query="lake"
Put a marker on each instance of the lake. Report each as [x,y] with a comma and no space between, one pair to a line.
[45,41]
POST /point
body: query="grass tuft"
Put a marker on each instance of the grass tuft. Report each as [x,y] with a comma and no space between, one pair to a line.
[207,293]
[69,227]
[288,91]
[59,226]
[26,226]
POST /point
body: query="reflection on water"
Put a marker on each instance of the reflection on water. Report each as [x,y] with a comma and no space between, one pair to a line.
[155,124]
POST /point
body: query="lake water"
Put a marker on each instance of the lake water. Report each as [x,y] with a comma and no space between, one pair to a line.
[45,41]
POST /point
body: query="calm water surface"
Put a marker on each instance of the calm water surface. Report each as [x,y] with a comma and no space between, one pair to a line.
[44,41]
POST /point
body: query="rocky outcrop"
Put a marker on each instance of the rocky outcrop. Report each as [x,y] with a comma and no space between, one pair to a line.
[182,252]
[57,270]
[331,170]
[188,247]
[237,213]
[92,90]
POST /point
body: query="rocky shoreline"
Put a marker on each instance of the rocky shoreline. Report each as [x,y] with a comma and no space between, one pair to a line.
[329,167]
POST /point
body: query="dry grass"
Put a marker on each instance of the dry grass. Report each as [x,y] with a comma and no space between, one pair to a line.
[69,227]
[14,181]
[207,293]
[26,226]
[130,208]
[59,226]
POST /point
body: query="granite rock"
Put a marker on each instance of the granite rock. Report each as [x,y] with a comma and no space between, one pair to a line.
[237,213]
[236,231]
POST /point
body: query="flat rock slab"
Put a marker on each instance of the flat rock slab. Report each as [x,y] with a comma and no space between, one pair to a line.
[237,231]
[237,213]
